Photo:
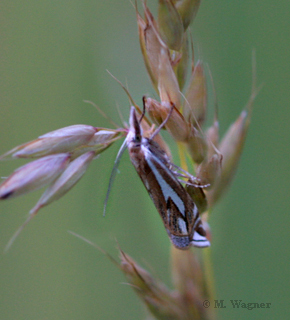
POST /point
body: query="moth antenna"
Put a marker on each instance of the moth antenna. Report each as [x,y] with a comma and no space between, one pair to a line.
[164,122]
[113,173]
[102,113]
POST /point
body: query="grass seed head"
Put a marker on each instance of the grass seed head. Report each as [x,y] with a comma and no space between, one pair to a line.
[34,175]
[170,24]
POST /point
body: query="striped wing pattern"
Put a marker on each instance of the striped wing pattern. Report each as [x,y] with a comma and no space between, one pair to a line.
[175,206]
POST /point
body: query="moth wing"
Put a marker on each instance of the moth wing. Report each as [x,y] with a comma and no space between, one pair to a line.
[199,240]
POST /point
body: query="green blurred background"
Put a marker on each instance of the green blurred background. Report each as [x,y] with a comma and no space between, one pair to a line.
[54,55]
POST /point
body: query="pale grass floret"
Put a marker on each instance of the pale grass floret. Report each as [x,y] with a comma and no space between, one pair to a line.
[58,141]
[70,176]
[34,175]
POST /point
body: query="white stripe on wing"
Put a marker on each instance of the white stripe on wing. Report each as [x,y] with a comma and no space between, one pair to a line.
[166,189]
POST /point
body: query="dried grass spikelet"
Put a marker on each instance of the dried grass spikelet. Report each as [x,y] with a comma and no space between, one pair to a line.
[68,139]
[170,25]
[194,109]
[150,43]
[180,62]
[231,148]
[160,301]
[197,145]
[168,69]
[58,141]
[70,176]
[64,156]
[167,82]
[34,175]
[187,10]
[59,147]
[183,302]
[198,196]
[176,124]
[189,282]
[100,141]
[209,171]
[232,144]
[72,173]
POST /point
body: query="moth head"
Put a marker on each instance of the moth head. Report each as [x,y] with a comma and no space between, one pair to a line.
[135,130]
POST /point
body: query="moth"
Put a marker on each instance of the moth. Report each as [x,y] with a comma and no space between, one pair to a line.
[177,209]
